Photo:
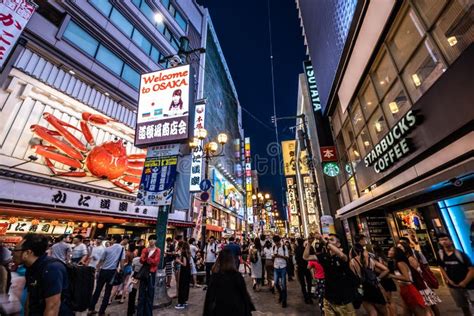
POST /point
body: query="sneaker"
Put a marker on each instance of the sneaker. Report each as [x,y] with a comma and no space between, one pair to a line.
[180,306]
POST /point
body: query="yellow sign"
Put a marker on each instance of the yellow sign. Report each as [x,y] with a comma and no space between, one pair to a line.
[290,160]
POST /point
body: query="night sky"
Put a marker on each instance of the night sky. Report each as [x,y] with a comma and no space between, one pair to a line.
[242,28]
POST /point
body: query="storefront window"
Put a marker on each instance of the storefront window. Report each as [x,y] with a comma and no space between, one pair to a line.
[354,155]
[423,70]
[454,31]
[353,188]
[345,194]
[357,118]
[395,104]
[348,134]
[429,9]
[384,74]
[336,122]
[368,99]
[377,126]
[364,142]
[408,35]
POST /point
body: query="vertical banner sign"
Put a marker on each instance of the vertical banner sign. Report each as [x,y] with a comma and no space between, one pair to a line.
[289,157]
[198,152]
[248,179]
[163,107]
[159,173]
[292,199]
[197,208]
[312,87]
[14,15]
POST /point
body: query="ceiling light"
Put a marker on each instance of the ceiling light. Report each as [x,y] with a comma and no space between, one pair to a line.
[72,72]
[382,82]
[366,143]
[393,107]
[452,40]
[416,80]
[378,127]
[107,94]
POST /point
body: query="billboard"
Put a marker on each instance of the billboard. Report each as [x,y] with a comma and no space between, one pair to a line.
[198,152]
[14,17]
[163,106]
[159,174]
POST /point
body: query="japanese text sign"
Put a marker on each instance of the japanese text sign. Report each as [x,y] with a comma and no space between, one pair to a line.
[14,15]
[163,107]
[328,154]
[198,152]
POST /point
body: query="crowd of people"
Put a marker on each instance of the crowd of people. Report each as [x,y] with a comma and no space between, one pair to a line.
[118,269]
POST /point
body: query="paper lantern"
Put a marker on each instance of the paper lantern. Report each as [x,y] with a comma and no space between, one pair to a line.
[85,224]
[55,223]
[13,220]
[100,225]
[35,222]
[70,224]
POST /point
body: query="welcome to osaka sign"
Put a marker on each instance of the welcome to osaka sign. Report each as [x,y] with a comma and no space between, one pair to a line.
[163,107]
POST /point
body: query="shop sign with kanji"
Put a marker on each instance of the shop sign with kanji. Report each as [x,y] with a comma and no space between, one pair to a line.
[328,153]
[14,15]
[197,152]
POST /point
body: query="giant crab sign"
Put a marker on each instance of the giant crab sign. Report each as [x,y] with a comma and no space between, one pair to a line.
[108,160]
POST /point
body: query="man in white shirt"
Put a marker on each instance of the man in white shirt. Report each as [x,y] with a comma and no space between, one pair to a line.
[280,257]
[97,252]
[79,250]
[210,255]
[112,261]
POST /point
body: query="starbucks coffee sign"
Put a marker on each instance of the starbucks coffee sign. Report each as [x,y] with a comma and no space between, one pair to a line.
[393,146]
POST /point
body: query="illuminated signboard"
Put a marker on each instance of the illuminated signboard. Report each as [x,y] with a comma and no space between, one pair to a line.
[163,106]
[198,152]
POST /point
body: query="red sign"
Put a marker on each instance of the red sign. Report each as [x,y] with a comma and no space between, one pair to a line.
[328,153]
[13,18]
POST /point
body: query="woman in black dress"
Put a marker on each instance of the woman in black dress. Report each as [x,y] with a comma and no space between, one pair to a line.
[184,275]
[227,294]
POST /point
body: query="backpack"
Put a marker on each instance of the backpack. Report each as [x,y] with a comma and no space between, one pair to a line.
[254,256]
[80,286]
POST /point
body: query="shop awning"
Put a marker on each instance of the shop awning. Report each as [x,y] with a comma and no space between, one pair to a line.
[214,228]
[181,224]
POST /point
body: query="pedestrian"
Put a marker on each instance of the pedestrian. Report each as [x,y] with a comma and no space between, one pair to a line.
[135,283]
[262,242]
[430,297]
[413,301]
[458,271]
[340,281]
[169,258]
[5,272]
[235,250]
[184,260]
[227,293]
[290,264]
[150,258]
[245,256]
[280,259]
[47,280]
[387,283]
[318,276]
[210,254]
[194,250]
[121,291]
[96,252]
[176,266]
[79,250]
[302,271]
[369,270]
[110,265]
[268,255]
[62,249]
[255,256]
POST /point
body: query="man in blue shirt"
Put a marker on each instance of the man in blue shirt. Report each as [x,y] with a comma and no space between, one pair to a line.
[46,278]
[235,249]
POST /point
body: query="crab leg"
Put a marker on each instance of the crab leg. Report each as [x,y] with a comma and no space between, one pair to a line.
[131,179]
[136,164]
[96,118]
[46,152]
[66,173]
[59,126]
[87,132]
[135,172]
[136,156]
[123,186]
[48,135]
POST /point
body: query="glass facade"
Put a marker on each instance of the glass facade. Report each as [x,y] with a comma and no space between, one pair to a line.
[425,38]
[89,45]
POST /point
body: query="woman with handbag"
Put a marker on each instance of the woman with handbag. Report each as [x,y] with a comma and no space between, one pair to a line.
[268,255]
[149,259]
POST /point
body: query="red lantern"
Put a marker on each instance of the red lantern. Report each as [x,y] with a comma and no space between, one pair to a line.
[35,222]
[85,224]
[54,223]
[70,224]
[13,220]
[100,225]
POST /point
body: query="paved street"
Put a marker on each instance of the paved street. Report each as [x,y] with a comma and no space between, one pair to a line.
[266,303]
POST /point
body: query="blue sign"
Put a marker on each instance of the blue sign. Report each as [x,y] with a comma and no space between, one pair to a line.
[157,182]
[205,185]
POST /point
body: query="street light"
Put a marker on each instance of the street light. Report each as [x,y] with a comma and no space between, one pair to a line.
[210,151]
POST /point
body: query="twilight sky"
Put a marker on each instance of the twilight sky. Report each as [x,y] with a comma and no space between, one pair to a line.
[242,28]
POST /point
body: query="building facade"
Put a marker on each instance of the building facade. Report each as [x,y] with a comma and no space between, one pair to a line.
[401,115]
[73,62]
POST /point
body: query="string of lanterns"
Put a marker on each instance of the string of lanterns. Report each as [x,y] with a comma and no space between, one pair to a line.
[35,221]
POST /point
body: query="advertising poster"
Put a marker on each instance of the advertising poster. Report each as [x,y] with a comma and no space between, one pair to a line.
[218,192]
[163,107]
[289,157]
[14,15]
[157,182]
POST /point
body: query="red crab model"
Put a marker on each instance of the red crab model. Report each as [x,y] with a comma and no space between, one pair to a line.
[108,160]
